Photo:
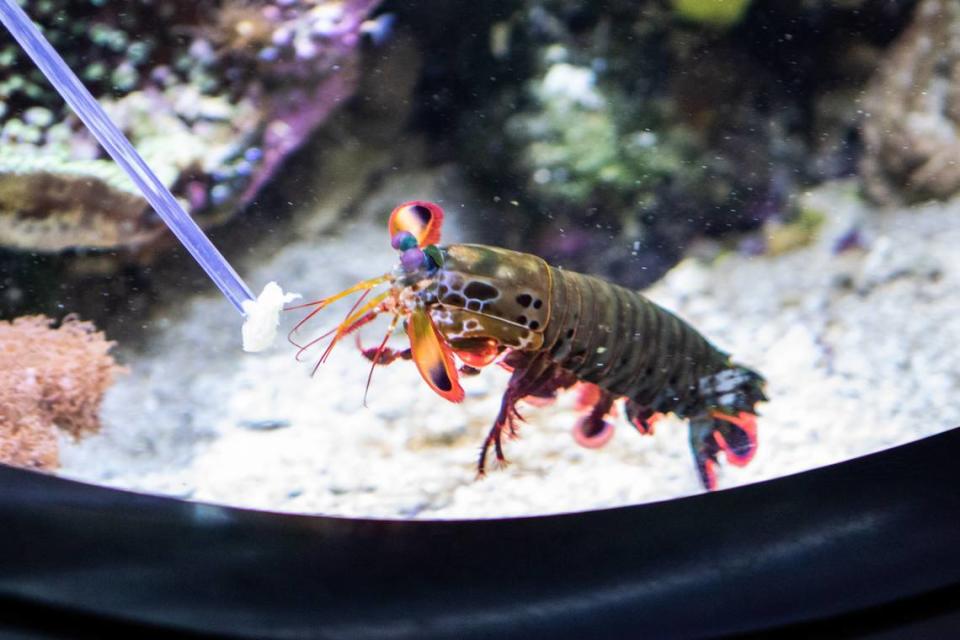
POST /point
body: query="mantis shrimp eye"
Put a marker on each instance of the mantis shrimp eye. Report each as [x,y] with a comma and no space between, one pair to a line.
[412,259]
[403,241]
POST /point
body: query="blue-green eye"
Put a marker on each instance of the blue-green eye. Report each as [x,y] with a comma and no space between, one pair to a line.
[403,240]
[432,257]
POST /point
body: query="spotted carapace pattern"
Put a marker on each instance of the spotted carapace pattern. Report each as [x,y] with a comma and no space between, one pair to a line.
[555,329]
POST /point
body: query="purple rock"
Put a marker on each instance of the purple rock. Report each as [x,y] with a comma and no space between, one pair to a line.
[234,98]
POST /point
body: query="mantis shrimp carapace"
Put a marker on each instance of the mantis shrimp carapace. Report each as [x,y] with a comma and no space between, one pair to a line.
[466,306]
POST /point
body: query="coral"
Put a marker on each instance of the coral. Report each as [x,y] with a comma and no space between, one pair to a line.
[713,13]
[618,133]
[215,95]
[50,377]
[911,129]
[575,145]
[626,160]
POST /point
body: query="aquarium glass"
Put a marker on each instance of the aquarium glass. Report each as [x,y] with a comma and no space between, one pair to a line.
[591,254]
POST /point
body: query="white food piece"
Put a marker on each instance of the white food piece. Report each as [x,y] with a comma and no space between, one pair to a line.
[263,317]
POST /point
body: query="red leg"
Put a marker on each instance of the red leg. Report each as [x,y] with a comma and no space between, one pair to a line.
[545,391]
[642,417]
[715,433]
[594,430]
[737,436]
[536,377]
[387,356]
[588,394]
[504,419]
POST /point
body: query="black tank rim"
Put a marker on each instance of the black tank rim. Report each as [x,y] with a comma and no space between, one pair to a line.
[815,545]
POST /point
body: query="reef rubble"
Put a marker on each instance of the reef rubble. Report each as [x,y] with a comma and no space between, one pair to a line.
[214,95]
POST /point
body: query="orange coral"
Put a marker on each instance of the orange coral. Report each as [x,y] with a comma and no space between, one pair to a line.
[49,377]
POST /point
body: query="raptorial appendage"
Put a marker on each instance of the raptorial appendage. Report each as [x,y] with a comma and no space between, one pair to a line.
[465,307]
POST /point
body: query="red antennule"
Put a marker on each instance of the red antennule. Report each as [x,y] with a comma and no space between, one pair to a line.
[421,218]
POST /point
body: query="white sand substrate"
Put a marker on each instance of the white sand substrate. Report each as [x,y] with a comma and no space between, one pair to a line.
[859,349]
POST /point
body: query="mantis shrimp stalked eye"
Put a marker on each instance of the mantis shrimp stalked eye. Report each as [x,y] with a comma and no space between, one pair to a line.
[421,219]
[475,305]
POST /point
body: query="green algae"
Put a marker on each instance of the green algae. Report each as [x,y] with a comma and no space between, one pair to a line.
[713,13]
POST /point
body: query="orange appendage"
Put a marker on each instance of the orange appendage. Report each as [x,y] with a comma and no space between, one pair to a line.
[642,419]
[481,354]
[588,395]
[421,218]
[433,356]
[708,475]
[737,436]
[357,317]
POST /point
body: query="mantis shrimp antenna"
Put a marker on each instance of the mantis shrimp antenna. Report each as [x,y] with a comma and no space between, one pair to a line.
[378,354]
[354,320]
